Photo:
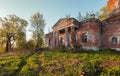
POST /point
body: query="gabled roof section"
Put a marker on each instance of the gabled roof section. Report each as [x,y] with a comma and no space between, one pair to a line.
[66,20]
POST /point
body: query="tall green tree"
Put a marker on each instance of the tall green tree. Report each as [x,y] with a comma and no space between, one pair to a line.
[37,27]
[67,15]
[21,34]
[79,17]
[9,30]
[87,16]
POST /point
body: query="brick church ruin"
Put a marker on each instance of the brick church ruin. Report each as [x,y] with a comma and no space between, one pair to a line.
[88,34]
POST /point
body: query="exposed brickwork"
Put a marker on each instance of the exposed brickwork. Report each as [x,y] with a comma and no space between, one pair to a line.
[93,28]
[89,34]
[111,30]
[49,40]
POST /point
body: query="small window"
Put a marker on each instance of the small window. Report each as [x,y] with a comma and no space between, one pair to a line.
[114,40]
[84,37]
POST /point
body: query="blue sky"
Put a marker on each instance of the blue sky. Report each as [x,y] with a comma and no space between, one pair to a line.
[52,10]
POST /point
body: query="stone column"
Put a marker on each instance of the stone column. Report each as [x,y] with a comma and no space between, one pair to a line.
[72,36]
[53,39]
[57,36]
[67,37]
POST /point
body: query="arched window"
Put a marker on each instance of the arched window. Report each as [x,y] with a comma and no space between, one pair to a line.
[114,40]
[84,37]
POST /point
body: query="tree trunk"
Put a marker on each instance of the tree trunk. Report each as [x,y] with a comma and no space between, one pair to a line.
[8,43]
[7,46]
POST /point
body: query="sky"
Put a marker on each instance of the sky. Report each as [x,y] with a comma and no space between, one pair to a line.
[52,10]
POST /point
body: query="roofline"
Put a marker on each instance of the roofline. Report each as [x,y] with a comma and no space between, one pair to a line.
[110,18]
[64,18]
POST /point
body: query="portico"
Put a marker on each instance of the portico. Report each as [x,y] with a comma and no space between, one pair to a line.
[63,33]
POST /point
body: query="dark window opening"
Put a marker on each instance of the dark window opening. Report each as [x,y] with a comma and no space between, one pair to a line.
[61,40]
[84,38]
[114,40]
[75,38]
[49,42]
[55,41]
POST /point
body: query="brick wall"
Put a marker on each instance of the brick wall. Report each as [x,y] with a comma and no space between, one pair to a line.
[111,29]
[93,29]
[99,34]
[49,40]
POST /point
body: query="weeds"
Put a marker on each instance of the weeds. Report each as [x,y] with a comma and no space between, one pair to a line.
[71,63]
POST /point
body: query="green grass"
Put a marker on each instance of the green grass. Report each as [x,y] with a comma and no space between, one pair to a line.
[31,67]
[9,66]
[56,63]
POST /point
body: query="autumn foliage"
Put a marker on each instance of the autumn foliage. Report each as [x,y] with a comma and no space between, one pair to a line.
[112,4]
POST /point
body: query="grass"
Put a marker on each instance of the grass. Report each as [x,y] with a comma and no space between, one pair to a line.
[9,66]
[57,63]
[31,67]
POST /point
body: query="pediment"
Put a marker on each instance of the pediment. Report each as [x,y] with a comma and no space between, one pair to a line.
[65,22]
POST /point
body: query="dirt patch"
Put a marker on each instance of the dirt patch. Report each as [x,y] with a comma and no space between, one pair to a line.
[110,63]
[56,67]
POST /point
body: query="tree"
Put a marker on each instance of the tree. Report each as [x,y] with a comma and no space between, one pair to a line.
[9,29]
[97,14]
[87,16]
[79,17]
[49,30]
[2,39]
[104,13]
[29,44]
[67,15]
[21,34]
[37,27]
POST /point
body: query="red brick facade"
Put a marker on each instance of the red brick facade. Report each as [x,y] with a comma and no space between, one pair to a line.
[92,28]
[111,32]
[89,34]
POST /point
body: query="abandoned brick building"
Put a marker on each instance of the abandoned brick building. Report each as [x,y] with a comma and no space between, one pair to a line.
[88,34]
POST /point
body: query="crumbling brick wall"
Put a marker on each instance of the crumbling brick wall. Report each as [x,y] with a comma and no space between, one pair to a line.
[111,29]
[93,28]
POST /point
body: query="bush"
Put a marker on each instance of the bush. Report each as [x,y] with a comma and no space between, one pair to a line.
[113,71]
[92,68]
[70,50]
[62,48]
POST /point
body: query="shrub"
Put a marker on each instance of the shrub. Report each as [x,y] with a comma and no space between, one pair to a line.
[92,68]
[113,71]
[62,48]
[70,50]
